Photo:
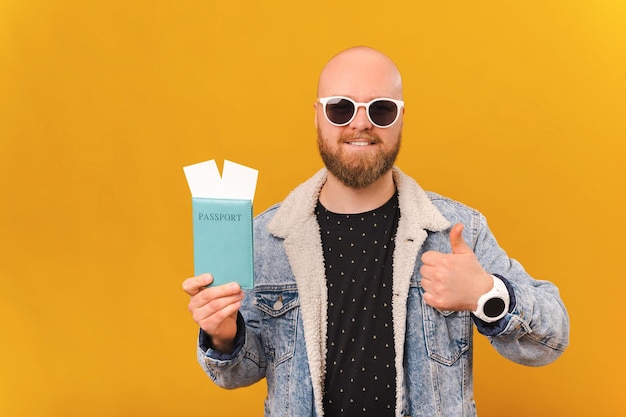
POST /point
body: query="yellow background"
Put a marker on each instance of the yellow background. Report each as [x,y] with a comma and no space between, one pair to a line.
[517,108]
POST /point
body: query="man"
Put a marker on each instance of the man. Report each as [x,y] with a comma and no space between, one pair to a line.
[367,288]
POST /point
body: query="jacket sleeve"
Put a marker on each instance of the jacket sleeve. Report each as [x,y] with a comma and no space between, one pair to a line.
[246,364]
[535,332]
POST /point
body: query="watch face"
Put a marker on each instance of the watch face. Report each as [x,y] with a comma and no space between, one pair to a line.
[494,307]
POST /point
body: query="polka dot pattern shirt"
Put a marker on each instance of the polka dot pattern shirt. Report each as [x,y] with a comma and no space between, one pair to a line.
[360,370]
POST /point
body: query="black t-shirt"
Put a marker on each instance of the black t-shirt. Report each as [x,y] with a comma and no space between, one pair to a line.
[358,253]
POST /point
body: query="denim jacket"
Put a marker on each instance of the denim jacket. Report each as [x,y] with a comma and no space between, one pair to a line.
[283,322]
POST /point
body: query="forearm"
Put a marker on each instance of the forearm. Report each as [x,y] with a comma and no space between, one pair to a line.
[535,332]
[243,366]
[537,329]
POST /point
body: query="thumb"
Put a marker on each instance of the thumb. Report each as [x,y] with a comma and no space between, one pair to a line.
[456,240]
[193,286]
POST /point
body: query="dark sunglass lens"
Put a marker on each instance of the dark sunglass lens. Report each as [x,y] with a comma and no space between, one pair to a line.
[339,110]
[383,112]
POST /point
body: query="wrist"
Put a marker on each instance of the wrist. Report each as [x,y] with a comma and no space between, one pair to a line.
[222,345]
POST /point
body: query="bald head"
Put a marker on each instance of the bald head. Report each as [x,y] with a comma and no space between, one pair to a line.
[360,73]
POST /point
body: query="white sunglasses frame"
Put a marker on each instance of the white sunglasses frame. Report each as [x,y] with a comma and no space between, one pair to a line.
[324,101]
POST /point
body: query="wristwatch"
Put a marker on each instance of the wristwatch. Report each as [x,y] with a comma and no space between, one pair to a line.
[493,305]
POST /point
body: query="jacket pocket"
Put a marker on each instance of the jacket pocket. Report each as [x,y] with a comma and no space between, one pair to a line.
[279,307]
[447,333]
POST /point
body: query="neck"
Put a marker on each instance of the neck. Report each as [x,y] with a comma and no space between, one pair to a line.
[339,198]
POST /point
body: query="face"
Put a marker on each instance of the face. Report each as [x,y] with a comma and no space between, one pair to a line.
[359,153]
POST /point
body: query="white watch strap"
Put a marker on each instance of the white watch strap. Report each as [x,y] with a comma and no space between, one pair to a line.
[498,295]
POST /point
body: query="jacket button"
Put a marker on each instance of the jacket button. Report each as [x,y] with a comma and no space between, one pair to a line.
[279,303]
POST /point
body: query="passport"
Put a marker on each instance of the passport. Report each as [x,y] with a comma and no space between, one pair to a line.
[222,240]
[222,221]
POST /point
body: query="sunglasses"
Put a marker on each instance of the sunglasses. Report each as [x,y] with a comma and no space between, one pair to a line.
[381,112]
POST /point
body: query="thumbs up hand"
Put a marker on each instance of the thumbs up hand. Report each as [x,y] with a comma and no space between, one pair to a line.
[454,281]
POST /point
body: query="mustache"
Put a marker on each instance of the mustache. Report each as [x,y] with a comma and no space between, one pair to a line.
[362,136]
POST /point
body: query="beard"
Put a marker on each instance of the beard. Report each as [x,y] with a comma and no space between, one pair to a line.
[361,169]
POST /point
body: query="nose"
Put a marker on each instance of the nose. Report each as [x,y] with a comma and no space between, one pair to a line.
[361,121]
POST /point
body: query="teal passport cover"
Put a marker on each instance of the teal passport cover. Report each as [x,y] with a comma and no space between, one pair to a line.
[222,240]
